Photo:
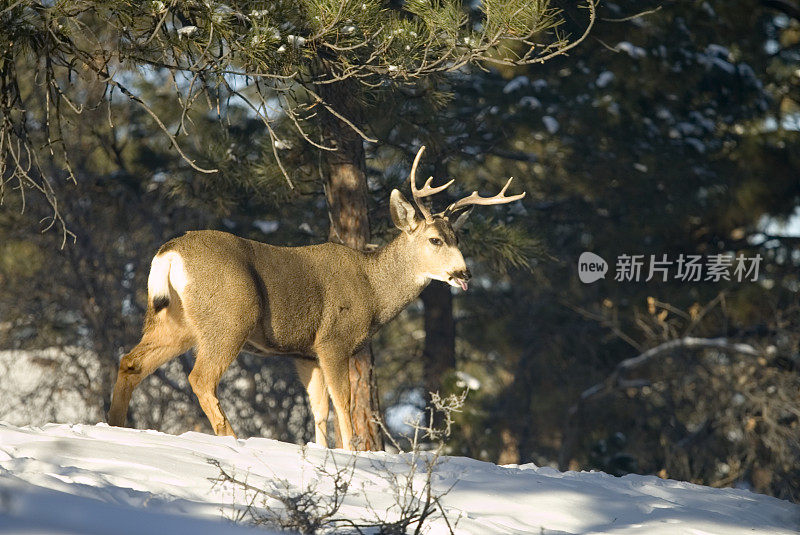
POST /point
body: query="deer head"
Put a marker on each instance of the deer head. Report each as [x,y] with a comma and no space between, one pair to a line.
[432,237]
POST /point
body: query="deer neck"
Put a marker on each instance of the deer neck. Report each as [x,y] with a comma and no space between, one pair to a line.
[393,277]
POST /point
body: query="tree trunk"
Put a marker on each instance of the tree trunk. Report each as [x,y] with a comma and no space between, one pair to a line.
[346,192]
[439,354]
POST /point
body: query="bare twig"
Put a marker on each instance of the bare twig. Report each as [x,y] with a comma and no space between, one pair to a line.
[635,16]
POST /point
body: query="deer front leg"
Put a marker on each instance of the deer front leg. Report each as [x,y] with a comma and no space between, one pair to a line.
[336,372]
[311,375]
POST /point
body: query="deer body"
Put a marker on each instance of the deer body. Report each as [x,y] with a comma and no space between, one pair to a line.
[294,298]
[217,292]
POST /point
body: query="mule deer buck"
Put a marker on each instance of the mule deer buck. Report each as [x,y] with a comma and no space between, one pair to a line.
[215,292]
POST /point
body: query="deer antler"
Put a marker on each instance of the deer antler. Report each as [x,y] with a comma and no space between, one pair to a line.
[426,190]
[474,198]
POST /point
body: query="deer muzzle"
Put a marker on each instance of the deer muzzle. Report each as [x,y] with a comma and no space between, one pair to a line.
[461,278]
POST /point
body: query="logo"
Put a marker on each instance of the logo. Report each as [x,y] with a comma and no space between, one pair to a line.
[661,268]
[591,267]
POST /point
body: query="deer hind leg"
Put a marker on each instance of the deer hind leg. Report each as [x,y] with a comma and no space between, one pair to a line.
[336,371]
[158,345]
[311,375]
[213,358]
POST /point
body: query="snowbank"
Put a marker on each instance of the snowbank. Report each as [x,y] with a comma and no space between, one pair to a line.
[97,479]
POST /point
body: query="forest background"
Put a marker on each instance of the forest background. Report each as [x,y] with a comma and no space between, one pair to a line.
[671,128]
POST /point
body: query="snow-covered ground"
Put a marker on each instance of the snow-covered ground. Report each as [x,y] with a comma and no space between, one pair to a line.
[49,385]
[71,479]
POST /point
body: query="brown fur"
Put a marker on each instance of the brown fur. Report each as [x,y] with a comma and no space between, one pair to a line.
[322,302]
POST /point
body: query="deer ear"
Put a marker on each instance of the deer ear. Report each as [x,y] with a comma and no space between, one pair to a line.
[403,214]
[460,220]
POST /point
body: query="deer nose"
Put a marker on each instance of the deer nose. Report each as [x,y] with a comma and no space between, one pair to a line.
[464,275]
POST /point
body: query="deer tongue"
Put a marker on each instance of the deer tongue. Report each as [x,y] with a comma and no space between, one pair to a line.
[463,284]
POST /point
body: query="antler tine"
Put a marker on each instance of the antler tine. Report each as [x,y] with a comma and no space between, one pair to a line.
[474,198]
[427,190]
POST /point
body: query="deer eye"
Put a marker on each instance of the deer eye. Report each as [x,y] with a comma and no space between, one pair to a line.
[436,241]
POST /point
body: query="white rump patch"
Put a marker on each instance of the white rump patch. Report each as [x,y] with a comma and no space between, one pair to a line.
[177,273]
[165,270]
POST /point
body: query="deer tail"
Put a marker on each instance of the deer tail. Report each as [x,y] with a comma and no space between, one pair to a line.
[166,270]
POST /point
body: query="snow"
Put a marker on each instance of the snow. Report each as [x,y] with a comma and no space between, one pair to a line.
[530,101]
[407,412]
[69,479]
[636,52]
[517,83]
[696,144]
[539,84]
[267,227]
[790,227]
[604,78]
[717,56]
[296,40]
[466,380]
[187,31]
[32,390]
[551,123]
[721,64]
[718,50]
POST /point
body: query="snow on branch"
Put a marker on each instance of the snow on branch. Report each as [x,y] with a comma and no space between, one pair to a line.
[615,379]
